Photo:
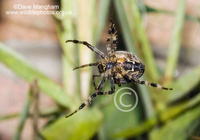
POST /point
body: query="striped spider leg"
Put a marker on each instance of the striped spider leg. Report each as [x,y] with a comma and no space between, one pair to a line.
[98,92]
[111,42]
[135,79]
[98,52]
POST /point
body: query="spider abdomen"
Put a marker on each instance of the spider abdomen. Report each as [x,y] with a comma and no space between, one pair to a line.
[130,64]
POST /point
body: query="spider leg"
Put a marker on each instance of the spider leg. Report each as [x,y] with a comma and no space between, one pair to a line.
[96,93]
[83,104]
[90,98]
[123,73]
[111,42]
[98,52]
[152,84]
[93,80]
[86,65]
[112,85]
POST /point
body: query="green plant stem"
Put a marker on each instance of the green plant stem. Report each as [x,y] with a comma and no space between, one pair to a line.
[161,117]
[126,31]
[84,32]
[9,116]
[66,30]
[101,20]
[24,115]
[43,113]
[160,11]
[180,90]
[175,44]
[35,109]
[138,38]
[129,40]
[141,40]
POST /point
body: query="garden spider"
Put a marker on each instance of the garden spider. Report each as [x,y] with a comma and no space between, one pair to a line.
[119,67]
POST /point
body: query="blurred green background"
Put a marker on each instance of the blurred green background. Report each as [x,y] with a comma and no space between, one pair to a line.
[164,35]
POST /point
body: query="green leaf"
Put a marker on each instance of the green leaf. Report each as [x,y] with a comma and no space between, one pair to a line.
[180,88]
[162,117]
[136,130]
[175,43]
[179,128]
[22,68]
[81,126]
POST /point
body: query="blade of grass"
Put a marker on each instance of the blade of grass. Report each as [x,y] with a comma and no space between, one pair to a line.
[66,29]
[187,16]
[43,113]
[35,104]
[100,20]
[140,38]
[9,116]
[85,30]
[175,43]
[180,89]
[178,109]
[128,37]
[161,117]
[183,126]
[22,68]
[138,129]
[24,114]
[127,34]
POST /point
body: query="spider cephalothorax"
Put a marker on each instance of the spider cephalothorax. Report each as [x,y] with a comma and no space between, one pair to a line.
[119,67]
